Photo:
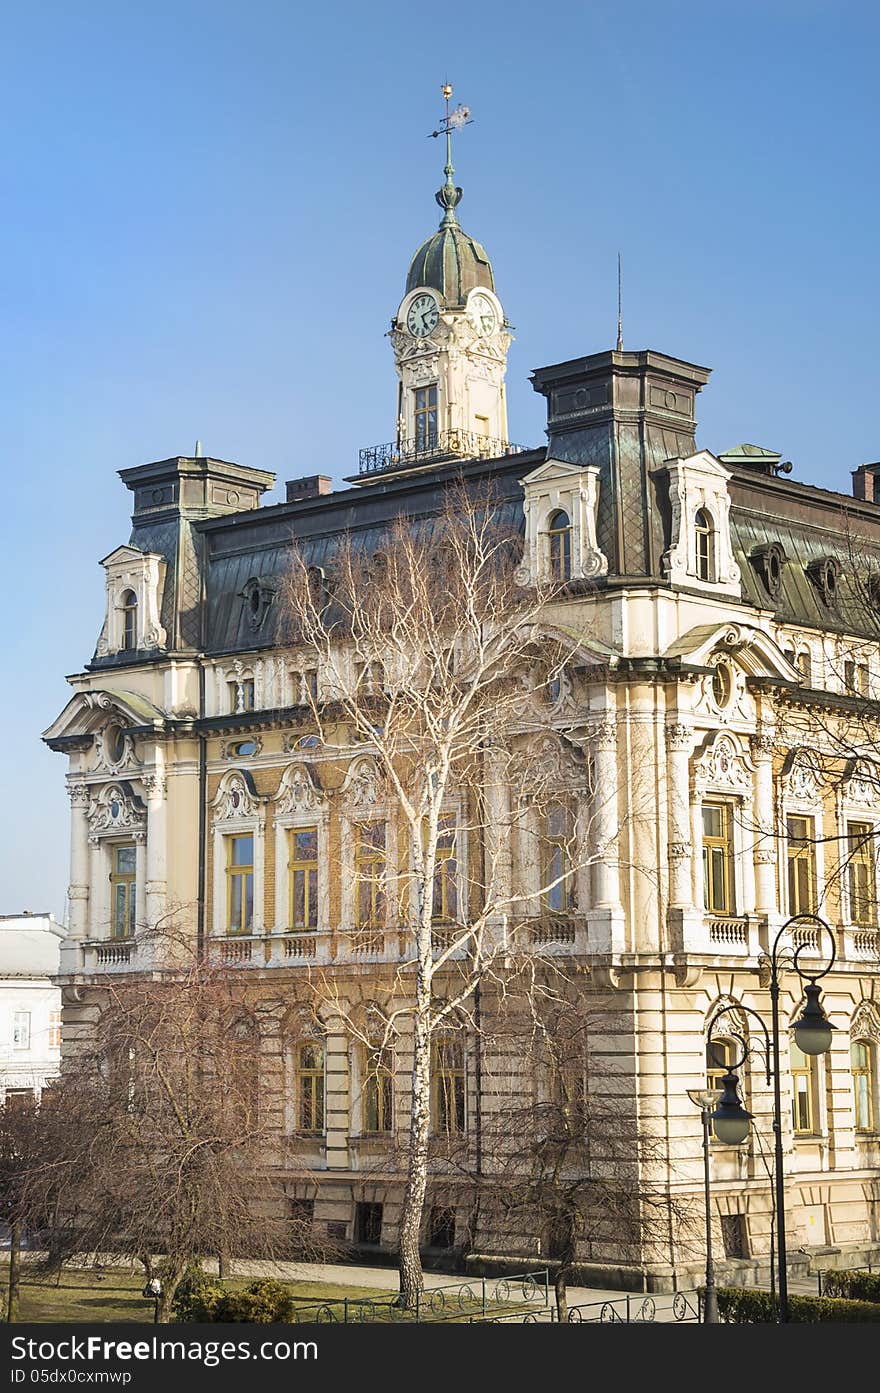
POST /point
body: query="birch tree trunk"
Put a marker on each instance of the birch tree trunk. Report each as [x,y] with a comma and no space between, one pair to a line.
[410,1259]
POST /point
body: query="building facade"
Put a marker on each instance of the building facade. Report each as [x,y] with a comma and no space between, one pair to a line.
[725,704]
[30,1004]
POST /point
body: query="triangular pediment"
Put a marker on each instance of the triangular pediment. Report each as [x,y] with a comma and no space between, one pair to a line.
[551,470]
[90,711]
[122,554]
[703,462]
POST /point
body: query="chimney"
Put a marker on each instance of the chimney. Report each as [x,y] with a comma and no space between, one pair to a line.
[865,482]
[313,486]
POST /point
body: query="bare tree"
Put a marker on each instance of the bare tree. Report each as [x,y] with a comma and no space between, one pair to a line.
[158,1141]
[433,658]
[567,1155]
[19,1152]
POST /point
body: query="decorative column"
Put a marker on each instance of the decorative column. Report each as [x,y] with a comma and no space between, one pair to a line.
[607,820]
[762,747]
[78,889]
[155,788]
[679,744]
[498,826]
[98,921]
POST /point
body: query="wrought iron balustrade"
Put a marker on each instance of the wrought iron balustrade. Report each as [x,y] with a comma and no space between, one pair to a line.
[442,445]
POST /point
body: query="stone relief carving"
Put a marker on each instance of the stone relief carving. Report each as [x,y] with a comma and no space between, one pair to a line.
[724,766]
[802,777]
[116,807]
[363,786]
[236,797]
[862,784]
[298,791]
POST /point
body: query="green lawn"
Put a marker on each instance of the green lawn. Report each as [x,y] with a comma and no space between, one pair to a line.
[82,1295]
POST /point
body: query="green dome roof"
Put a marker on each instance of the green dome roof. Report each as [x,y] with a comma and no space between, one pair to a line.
[452,263]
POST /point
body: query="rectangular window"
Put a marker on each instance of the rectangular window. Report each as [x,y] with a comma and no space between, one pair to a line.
[426,417]
[247,694]
[805,664]
[720,1054]
[368,1223]
[862,1057]
[449,1086]
[239,884]
[303,868]
[21,1030]
[556,879]
[862,872]
[370,874]
[800,833]
[123,891]
[441,1227]
[305,686]
[54,1030]
[378,1093]
[232,689]
[445,901]
[734,1236]
[855,678]
[801,1091]
[310,1087]
[717,859]
[482,426]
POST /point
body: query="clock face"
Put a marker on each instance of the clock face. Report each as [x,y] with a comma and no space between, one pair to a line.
[482,314]
[422,316]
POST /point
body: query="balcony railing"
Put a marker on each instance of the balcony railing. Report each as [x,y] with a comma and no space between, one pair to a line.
[448,444]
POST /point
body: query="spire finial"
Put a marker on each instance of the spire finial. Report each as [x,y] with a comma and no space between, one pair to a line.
[619,307]
[198,453]
[450,196]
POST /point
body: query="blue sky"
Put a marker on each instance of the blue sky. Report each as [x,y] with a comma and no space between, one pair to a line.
[209,208]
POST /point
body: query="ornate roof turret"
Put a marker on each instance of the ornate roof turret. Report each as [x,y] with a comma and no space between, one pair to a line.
[450,261]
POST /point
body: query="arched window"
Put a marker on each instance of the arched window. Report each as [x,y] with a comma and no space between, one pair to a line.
[559,534]
[129,619]
[309,1085]
[863,1056]
[705,549]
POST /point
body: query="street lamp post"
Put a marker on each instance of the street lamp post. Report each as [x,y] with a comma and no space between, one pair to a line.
[812,1033]
[705,1099]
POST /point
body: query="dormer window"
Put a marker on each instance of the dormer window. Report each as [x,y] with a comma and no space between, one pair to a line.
[705,545]
[559,537]
[129,619]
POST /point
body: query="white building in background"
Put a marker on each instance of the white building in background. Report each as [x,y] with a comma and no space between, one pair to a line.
[30,1003]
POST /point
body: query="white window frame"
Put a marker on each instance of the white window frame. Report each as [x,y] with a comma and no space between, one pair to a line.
[19,1017]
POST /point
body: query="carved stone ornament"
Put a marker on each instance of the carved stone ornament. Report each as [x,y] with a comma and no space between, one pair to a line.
[679,737]
[236,797]
[116,807]
[865,1023]
[155,786]
[862,784]
[723,766]
[79,795]
[298,791]
[113,750]
[364,785]
[802,777]
[558,766]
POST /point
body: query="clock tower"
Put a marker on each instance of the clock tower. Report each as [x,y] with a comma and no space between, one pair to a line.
[450,339]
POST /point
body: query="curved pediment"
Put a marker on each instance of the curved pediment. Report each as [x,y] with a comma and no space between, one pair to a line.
[755,651]
[88,712]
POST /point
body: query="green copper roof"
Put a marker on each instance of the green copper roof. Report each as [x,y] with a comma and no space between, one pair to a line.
[452,263]
[746,453]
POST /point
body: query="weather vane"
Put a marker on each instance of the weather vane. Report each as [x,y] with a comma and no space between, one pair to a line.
[450,196]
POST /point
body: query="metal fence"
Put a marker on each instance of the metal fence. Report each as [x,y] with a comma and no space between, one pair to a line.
[526,1295]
